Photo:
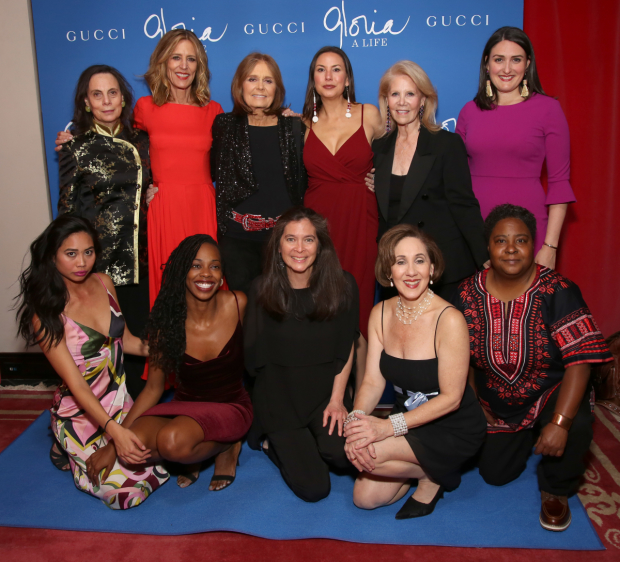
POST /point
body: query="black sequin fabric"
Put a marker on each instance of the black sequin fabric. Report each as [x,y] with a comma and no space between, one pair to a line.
[103,178]
[231,163]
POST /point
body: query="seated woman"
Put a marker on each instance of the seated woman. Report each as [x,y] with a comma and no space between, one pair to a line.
[301,324]
[419,343]
[195,333]
[73,314]
[532,340]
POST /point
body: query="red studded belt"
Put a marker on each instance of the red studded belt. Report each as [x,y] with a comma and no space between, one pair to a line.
[253,223]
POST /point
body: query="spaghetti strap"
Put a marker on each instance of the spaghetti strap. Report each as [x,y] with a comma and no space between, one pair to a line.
[362,115]
[237,301]
[437,324]
[101,281]
[382,309]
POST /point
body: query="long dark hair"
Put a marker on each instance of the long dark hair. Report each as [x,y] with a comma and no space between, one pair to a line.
[519,37]
[42,289]
[329,288]
[309,102]
[82,119]
[165,328]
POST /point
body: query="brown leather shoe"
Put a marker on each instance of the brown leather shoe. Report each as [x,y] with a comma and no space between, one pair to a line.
[554,512]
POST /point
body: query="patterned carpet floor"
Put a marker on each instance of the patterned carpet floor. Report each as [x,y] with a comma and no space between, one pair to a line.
[599,493]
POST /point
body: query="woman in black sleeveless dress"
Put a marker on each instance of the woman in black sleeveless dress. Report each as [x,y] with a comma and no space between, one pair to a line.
[420,343]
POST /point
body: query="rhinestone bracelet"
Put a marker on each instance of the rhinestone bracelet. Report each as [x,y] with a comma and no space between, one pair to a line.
[399,424]
[351,417]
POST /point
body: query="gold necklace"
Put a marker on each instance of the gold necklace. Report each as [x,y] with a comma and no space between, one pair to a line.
[407,315]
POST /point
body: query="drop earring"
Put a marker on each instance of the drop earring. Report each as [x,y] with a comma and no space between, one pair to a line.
[315,118]
[391,282]
[489,89]
[348,113]
[421,112]
[524,91]
[123,104]
[388,121]
[221,281]
[88,109]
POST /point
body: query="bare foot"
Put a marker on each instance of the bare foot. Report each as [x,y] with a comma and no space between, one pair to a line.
[190,476]
[225,467]
[426,490]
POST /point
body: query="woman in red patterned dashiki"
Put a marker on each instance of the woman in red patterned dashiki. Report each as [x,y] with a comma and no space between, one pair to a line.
[532,340]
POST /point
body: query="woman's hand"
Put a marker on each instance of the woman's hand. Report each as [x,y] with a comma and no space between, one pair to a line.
[362,459]
[552,441]
[546,257]
[61,138]
[370,180]
[150,194]
[367,430]
[129,448]
[288,112]
[105,457]
[338,413]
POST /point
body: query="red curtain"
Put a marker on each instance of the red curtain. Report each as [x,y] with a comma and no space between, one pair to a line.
[577,46]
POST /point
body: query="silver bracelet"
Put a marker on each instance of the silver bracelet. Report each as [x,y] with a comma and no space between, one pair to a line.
[399,424]
[351,417]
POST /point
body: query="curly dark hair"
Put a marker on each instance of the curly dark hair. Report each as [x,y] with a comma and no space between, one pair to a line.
[42,289]
[82,119]
[308,109]
[508,211]
[519,37]
[165,328]
[330,290]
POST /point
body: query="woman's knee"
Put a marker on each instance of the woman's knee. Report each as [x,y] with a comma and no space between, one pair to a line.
[173,445]
[311,493]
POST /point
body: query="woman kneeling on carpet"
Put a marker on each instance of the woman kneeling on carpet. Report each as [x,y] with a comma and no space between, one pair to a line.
[300,328]
[195,333]
[532,340]
[73,314]
[418,342]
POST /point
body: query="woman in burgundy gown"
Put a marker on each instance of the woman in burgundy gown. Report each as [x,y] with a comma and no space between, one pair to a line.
[337,156]
[195,332]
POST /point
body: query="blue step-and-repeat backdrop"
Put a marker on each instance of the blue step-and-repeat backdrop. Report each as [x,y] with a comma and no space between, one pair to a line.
[445,37]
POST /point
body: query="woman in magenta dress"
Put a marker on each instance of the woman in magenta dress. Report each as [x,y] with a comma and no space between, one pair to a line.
[178,118]
[195,333]
[512,127]
[337,156]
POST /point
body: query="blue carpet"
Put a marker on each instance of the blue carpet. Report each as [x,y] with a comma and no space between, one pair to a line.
[35,494]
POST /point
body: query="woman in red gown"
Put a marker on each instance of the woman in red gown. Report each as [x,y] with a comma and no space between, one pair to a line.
[337,156]
[178,118]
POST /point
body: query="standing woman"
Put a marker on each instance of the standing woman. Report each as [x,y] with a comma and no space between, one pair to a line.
[422,177]
[178,117]
[73,314]
[300,328]
[104,173]
[256,165]
[337,156]
[510,129]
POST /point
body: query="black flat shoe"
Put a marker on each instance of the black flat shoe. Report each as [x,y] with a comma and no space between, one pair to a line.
[59,458]
[413,508]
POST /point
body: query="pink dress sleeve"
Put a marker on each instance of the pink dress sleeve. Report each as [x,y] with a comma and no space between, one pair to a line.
[557,152]
[461,124]
[140,114]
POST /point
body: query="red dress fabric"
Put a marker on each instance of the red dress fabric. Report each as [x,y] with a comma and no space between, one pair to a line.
[180,143]
[337,190]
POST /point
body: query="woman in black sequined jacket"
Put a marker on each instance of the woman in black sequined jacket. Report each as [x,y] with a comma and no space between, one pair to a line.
[257,167]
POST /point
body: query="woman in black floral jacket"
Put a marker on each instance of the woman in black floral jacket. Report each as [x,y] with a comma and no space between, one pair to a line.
[104,172]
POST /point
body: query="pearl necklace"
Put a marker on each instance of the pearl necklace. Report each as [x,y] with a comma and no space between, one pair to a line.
[407,315]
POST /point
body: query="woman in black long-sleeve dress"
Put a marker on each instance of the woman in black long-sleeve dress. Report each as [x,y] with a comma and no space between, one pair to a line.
[301,322]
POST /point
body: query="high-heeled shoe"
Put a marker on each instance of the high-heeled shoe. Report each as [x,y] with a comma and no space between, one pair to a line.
[413,508]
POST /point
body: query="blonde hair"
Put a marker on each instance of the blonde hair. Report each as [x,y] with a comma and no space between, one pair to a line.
[423,83]
[157,74]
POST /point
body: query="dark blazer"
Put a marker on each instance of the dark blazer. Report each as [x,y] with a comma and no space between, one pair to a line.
[437,197]
[231,162]
[104,178]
